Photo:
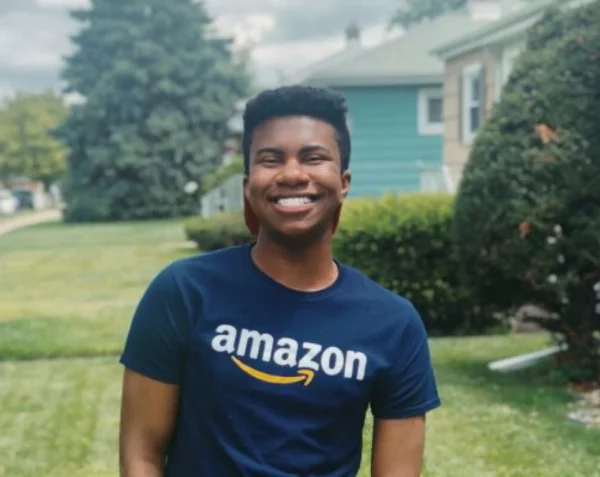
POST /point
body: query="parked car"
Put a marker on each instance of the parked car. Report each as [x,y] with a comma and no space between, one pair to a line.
[24,198]
[8,203]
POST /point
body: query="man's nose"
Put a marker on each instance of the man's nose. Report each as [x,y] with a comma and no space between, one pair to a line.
[292,173]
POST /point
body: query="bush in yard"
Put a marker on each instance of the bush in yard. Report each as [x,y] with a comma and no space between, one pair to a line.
[405,244]
[527,217]
[217,232]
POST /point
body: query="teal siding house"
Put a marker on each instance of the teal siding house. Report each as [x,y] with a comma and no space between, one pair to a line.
[395,97]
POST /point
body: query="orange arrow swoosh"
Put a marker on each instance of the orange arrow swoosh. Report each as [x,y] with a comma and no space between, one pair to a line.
[305,375]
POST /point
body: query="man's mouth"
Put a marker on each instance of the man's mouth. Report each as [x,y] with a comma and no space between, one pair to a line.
[294,201]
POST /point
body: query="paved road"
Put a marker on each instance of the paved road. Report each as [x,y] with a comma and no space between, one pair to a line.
[30,219]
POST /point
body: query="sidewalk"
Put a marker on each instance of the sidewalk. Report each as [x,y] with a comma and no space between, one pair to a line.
[33,219]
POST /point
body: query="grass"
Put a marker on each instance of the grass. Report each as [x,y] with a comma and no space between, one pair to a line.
[67,293]
[70,290]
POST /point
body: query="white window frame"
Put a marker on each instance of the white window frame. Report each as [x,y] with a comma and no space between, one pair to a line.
[427,128]
[469,73]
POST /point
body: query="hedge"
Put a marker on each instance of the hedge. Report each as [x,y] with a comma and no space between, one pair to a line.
[402,242]
[405,243]
[224,230]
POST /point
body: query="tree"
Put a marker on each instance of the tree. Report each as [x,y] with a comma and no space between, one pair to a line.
[414,11]
[27,146]
[527,216]
[159,88]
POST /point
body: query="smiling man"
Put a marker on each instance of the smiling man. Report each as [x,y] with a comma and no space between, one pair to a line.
[263,359]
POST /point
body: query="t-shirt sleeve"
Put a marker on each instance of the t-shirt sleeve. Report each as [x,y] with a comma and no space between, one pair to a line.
[407,386]
[157,340]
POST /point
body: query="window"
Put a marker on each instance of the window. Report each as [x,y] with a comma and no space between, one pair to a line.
[473,90]
[430,114]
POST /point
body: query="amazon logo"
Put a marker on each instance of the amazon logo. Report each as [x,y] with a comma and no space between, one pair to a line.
[300,362]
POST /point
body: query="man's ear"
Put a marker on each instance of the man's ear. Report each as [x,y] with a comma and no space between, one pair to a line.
[245,186]
[346,180]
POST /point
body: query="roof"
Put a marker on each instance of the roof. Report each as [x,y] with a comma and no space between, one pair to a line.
[513,24]
[403,60]
[301,75]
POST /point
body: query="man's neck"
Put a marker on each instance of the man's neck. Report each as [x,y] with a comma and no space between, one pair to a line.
[307,269]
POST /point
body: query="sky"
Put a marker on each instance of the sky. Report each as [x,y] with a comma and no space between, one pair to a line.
[286,35]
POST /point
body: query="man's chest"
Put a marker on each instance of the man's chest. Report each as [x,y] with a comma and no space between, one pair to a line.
[326,363]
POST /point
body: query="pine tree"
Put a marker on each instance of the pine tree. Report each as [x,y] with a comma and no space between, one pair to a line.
[159,87]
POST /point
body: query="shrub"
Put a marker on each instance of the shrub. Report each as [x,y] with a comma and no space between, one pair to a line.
[527,216]
[217,232]
[405,244]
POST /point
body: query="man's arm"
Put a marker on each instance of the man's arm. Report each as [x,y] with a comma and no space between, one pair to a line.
[404,392]
[398,446]
[148,411]
[154,358]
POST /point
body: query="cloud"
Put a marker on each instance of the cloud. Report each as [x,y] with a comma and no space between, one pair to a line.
[276,59]
[286,34]
[246,30]
[63,3]
[289,34]
[316,19]
[31,47]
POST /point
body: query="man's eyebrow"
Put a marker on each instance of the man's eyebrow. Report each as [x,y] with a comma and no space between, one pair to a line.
[272,150]
[279,151]
[313,148]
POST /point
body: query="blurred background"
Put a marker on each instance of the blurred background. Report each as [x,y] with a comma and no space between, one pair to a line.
[475,193]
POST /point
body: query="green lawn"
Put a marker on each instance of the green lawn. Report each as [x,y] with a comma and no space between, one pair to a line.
[70,290]
[67,293]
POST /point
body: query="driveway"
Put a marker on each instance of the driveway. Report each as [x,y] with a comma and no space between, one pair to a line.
[29,219]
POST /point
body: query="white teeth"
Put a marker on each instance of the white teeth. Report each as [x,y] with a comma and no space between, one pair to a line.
[293,201]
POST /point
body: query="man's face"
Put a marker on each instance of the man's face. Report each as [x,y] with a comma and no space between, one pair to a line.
[295,183]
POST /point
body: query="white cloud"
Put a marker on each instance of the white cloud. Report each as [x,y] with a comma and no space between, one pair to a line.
[63,3]
[286,35]
[275,59]
[247,30]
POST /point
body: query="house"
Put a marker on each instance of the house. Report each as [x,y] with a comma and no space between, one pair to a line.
[477,66]
[395,95]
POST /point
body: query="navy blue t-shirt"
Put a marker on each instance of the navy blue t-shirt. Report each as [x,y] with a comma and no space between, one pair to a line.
[276,382]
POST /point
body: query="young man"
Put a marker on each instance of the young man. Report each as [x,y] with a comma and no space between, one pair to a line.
[263,359]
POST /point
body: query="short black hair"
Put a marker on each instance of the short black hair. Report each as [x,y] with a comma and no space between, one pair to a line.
[298,100]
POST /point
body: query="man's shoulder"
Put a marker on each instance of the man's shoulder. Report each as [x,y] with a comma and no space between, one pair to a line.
[380,300]
[376,290]
[215,259]
[204,267]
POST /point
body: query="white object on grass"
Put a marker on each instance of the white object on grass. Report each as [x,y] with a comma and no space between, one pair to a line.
[523,361]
